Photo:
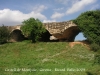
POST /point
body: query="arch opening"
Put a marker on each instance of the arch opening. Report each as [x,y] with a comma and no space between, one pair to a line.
[69,34]
[45,36]
[80,37]
[16,36]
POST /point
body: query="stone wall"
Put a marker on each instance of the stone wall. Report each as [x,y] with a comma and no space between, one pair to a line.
[12,28]
[61,30]
[58,27]
[53,27]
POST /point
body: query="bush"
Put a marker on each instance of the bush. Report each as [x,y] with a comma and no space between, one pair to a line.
[89,23]
[97,59]
[4,33]
[95,47]
[33,29]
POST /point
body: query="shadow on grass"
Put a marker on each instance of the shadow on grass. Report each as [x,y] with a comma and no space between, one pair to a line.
[89,73]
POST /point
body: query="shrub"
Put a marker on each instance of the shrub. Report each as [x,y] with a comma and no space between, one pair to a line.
[95,47]
[33,29]
[97,59]
[4,33]
[89,23]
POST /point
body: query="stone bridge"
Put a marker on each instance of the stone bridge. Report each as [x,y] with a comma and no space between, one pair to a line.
[64,31]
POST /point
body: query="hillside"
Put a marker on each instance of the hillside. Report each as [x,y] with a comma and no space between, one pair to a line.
[46,58]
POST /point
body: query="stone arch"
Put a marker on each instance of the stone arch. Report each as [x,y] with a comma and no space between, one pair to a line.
[16,36]
[69,34]
[45,36]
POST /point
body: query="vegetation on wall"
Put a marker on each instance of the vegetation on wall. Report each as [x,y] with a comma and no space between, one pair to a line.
[89,23]
[33,29]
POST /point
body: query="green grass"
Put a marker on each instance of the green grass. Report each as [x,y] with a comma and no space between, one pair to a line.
[44,58]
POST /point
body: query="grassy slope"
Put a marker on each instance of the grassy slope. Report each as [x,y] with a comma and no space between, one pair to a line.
[46,56]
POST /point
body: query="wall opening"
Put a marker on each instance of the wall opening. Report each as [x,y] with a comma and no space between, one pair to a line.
[80,37]
[69,34]
[45,36]
[16,36]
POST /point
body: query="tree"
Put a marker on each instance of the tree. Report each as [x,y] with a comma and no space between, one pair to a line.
[33,29]
[4,33]
[89,23]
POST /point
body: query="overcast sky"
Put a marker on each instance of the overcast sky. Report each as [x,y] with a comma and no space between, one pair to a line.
[13,12]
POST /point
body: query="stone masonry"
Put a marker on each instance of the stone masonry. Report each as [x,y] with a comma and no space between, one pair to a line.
[58,27]
[62,30]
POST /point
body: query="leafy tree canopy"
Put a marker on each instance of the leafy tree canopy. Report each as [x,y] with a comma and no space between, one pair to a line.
[89,23]
[4,34]
[33,29]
